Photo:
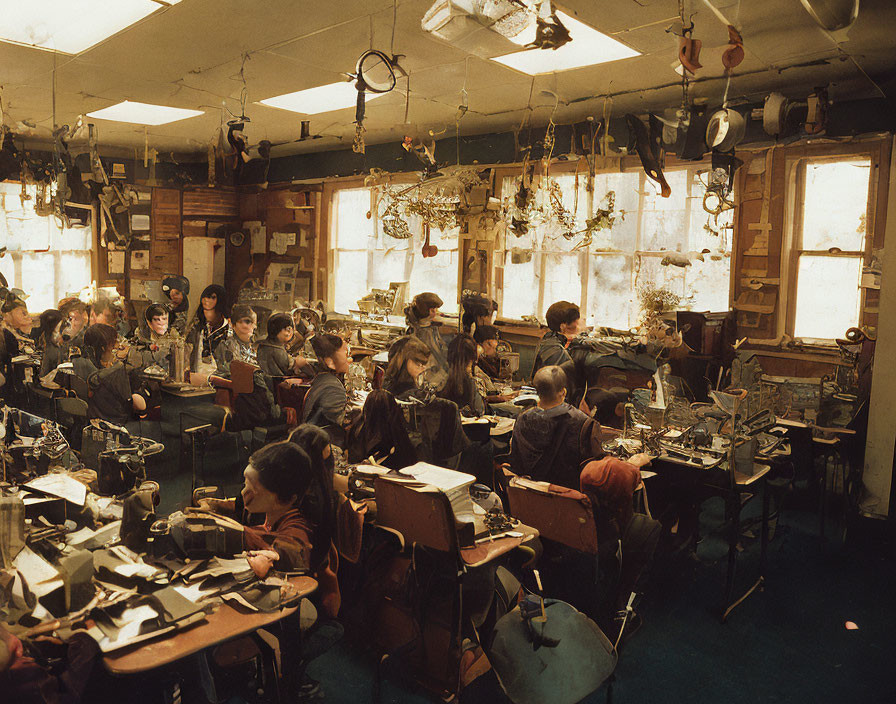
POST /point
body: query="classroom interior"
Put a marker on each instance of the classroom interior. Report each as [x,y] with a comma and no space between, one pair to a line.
[447,350]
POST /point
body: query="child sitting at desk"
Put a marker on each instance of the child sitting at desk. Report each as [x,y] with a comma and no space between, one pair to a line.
[102,366]
[279,480]
[273,357]
[408,360]
[326,399]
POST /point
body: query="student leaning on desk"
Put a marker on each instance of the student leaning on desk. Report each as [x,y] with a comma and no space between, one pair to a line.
[292,488]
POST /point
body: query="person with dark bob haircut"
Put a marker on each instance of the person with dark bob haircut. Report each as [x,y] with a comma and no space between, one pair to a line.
[102,366]
[408,360]
[210,326]
[564,324]
[420,316]
[325,400]
[273,357]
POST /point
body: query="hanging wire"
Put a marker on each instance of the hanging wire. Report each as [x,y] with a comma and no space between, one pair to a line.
[394,19]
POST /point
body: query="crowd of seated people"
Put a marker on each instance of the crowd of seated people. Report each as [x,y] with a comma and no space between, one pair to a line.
[287,503]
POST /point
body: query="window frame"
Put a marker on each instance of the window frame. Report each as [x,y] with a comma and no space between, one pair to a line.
[797,166]
[625,165]
[372,254]
[16,256]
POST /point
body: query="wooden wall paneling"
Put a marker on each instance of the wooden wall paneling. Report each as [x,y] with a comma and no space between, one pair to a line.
[211,203]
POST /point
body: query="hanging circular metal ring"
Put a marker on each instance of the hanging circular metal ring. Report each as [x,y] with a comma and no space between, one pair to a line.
[375,72]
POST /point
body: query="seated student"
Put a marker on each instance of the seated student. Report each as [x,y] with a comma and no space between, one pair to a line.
[408,360]
[381,434]
[258,408]
[424,309]
[460,387]
[278,481]
[177,288]
[240,343]
[478,310]
[552,439]
[325,401]
[49,341]
[76,317]
[102,366]
[486,370]
[210,327]
[273,357]
[611,483]
[155,340]
[564,322]
[17,325]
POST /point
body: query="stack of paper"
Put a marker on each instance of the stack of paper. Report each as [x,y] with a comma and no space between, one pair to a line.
[455,485]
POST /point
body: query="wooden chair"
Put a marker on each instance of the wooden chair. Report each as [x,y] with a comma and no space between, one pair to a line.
[563,515]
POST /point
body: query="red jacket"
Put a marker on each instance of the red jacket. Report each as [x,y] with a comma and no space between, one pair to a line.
[291,536]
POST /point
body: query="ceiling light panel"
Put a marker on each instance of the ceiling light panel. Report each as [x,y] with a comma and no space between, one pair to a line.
[587,48]
[333,96]
[72,27]
[143,113]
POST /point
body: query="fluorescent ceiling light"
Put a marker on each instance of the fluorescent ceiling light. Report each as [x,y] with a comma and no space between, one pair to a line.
[334,96]
[143,113]
[587,48]
[70,26]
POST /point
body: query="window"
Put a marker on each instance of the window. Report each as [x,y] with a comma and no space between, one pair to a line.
[829,246]
[603,278]
[364,257]
[44,260]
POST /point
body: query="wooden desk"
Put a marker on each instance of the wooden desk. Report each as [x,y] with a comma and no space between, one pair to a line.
[187,390]
[716,481]
[223,624]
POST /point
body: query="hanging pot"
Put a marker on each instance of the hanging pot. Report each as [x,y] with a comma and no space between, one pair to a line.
[726,128]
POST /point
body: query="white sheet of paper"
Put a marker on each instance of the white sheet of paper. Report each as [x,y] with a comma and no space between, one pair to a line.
[62,485]
[140,259]
[116,262]
[41,576]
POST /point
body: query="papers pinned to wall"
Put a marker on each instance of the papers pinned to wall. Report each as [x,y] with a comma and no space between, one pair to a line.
[116,262]
[139,259]
[281,240]
[258,235]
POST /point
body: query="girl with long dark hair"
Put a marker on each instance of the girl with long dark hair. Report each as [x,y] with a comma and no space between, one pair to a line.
[210,326]
[460,387]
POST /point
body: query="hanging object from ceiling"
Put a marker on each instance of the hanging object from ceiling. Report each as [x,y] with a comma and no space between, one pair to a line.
[374,73]
[725,130]
[832,15]
[689,50]
[649,148]
[734,52]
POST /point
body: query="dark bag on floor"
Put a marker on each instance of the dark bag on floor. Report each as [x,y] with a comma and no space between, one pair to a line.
[568,659]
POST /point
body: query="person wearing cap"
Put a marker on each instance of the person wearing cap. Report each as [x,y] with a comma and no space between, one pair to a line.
[177,289]
[420,314]
[17,326]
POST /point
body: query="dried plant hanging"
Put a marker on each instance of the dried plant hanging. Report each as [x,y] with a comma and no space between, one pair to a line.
[603,219]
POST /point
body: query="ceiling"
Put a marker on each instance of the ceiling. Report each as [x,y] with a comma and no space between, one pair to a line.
[191,56]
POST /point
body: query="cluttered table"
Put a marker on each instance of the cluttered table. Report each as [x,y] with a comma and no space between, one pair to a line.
[222,624]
